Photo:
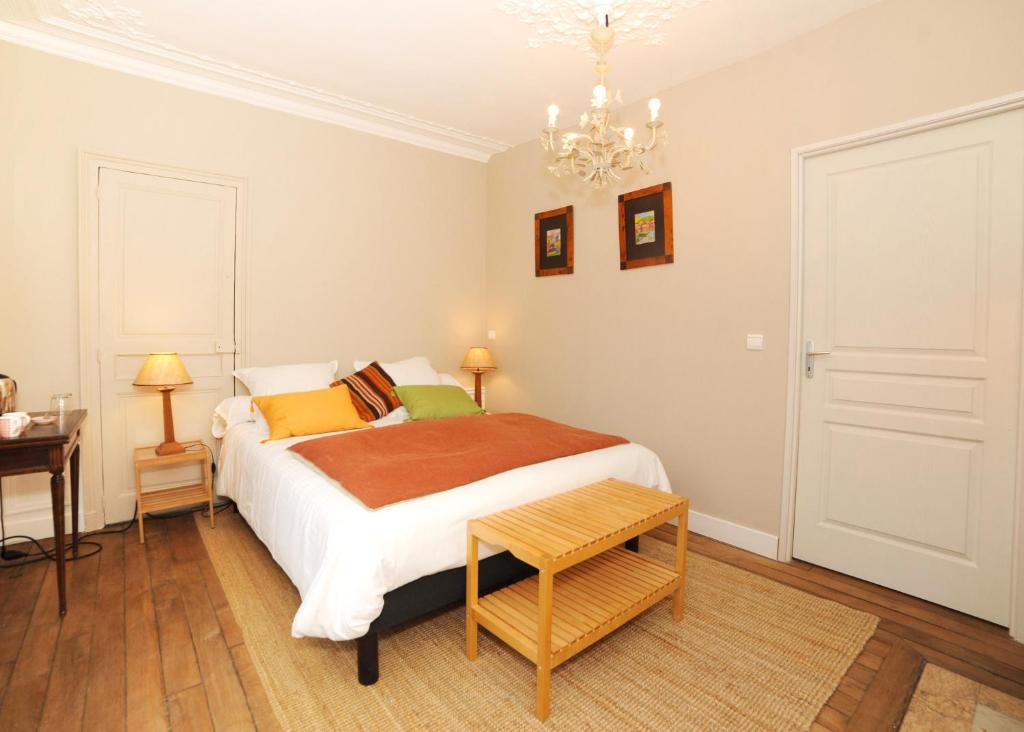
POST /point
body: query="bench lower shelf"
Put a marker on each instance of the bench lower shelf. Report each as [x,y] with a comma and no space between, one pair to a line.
[591,599]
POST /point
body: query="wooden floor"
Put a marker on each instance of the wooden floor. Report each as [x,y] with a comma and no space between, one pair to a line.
[149,642]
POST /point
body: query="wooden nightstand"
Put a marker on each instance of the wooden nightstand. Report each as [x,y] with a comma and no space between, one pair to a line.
[164,499]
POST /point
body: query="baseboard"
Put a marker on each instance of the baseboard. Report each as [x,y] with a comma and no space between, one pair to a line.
[39,523]
[744,537]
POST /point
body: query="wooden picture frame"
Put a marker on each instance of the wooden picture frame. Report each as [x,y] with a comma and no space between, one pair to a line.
[648,238]
[552,242]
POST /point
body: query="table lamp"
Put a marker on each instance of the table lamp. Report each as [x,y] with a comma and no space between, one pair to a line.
[478,359]
[164,371]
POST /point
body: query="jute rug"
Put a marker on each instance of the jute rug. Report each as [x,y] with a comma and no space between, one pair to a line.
[750,654]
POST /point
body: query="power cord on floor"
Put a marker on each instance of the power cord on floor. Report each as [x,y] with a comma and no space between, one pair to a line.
[10,557]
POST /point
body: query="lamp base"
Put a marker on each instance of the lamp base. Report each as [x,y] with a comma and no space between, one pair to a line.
[169,448]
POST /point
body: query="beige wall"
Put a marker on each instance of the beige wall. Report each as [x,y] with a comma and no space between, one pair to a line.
[658,354]
[361,246]
[358,247]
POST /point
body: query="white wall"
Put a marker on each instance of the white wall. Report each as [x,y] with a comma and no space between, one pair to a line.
[359,247]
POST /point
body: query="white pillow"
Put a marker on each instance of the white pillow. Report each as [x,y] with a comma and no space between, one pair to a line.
[262,380]
[396,416]
[233,410]
[449,380]
[410,372]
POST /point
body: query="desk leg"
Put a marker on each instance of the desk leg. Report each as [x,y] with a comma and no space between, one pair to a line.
[74,498]
[57,498]
[472,595]
[545,604]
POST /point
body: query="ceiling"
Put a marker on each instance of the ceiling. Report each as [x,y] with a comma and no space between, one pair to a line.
[453,75]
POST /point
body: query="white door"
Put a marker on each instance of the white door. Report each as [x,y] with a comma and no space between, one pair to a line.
[166,283]
[908,427]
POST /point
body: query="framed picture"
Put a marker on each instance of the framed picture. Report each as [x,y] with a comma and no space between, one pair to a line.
[645,227]
[552,242]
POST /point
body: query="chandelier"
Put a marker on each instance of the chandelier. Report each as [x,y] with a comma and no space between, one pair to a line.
[601,149]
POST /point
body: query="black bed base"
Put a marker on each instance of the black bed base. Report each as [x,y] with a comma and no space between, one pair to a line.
[434,592]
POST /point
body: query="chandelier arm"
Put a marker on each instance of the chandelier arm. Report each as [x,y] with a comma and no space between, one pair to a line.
[601,150]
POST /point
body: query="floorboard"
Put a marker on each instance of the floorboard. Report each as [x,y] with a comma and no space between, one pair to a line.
[255,694]
[150,642]
[105,696]
[146,700]
[228,706]
[189,710]
[887,698]
[65,695]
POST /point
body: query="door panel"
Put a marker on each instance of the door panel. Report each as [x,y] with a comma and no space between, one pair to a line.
[908,428]
[912,229]
[875,477]
[166,256]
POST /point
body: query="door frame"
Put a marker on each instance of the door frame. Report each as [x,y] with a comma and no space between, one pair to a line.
[787,520]
[89,165]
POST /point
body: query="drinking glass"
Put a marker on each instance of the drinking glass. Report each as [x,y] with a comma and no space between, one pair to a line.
[59,405]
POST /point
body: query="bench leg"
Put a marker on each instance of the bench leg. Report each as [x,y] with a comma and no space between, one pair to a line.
[633,544]
[472,595]
[679,597]
[367,659]
[545,597]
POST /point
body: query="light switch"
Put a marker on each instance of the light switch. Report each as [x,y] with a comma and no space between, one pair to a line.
[755,342]
[492,335]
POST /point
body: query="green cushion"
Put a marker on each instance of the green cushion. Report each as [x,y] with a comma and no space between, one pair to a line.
[436,402]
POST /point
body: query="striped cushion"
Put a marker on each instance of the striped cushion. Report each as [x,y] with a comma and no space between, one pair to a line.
[371,392]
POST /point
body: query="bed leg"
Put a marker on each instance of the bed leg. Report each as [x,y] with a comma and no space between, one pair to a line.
[366,659]
[633,544]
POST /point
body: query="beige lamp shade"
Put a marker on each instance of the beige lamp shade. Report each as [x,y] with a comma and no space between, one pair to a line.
[162,369]
[478,359]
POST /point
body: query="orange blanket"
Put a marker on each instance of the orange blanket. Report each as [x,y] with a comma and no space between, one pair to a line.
[392,464]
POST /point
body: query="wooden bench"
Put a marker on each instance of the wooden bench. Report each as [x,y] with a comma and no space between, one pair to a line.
[587,585]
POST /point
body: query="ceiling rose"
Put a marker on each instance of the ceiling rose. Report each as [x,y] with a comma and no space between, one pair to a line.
[108,16]
[570,22]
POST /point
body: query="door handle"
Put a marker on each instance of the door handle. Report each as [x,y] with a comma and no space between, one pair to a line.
[809,354]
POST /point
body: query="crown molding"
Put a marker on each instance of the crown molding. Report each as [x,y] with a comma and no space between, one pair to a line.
[140,55]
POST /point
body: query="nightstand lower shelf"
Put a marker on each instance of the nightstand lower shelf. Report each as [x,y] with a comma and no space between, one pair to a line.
[591,599]
[165,499]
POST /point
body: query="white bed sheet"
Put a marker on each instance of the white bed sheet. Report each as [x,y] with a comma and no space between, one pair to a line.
[343,557]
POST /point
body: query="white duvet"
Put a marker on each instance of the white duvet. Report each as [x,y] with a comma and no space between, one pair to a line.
[343,557]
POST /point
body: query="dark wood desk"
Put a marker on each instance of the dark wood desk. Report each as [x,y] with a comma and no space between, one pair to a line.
[46,448]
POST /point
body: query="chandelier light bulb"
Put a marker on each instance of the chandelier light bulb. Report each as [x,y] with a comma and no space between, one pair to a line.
[601,150]
[654,105]
[552,115]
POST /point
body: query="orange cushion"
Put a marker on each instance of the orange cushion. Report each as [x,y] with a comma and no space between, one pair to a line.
[309,412]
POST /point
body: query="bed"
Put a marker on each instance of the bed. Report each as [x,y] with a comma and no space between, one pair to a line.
[360,571]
